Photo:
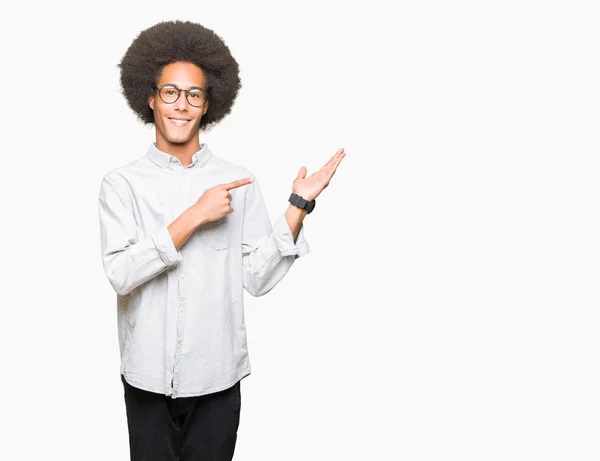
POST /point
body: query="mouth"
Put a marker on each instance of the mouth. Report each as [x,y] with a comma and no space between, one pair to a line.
[179,122]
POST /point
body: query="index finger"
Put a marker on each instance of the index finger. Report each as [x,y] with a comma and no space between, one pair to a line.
[237,183]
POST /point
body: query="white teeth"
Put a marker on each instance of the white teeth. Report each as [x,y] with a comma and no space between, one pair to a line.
[179,122]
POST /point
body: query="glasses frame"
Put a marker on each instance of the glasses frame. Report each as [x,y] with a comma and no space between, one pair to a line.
[179,90]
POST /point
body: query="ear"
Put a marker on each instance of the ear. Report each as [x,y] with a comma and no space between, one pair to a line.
[151,98]
[151,101]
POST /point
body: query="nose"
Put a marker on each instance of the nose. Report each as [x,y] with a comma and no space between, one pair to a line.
[181,103]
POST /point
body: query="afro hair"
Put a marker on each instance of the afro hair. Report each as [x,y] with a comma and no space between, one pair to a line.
[179,41]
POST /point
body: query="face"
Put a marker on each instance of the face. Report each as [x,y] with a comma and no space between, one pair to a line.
[178,124]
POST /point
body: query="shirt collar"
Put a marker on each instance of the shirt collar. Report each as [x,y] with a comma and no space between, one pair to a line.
[162,159]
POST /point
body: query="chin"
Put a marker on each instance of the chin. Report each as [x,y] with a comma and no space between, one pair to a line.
[178,137]
[178,140]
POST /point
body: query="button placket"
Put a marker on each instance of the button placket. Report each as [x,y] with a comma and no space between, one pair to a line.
[179,342]
[181,196]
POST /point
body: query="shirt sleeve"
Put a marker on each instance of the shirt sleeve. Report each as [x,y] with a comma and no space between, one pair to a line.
[268,251]
[128,262]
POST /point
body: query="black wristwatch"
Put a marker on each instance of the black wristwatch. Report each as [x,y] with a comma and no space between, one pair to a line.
[300,202]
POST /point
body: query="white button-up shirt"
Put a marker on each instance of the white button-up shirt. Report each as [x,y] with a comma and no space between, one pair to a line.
[181,313]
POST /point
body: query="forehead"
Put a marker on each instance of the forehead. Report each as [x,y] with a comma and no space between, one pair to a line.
[182,74]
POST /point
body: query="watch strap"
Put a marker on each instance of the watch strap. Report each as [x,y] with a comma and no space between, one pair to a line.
[301,202]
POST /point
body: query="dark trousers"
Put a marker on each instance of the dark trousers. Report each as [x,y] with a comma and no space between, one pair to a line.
[200,428]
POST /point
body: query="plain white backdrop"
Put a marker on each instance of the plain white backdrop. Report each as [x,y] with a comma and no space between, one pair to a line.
[449,307]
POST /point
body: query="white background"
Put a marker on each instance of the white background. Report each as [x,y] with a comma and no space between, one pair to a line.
[448,308]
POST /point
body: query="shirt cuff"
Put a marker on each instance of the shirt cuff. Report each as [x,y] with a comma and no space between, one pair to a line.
[166,249]
[285,239]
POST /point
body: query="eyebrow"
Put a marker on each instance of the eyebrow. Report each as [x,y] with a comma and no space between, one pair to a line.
[191,87]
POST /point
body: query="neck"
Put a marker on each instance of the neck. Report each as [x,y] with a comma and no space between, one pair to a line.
[184,152]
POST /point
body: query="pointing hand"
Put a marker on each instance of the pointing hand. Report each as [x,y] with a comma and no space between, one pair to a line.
[216,201]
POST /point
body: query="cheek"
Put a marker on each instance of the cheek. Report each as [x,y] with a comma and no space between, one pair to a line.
[158,115]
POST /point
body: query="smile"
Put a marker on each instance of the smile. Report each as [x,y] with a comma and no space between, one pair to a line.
[177,122]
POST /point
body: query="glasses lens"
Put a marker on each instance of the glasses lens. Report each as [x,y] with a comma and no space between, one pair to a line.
[169,95]
[196,97]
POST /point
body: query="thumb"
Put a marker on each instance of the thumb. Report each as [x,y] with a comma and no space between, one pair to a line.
[301,173]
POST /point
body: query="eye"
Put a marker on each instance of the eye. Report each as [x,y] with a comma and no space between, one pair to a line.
[195,94]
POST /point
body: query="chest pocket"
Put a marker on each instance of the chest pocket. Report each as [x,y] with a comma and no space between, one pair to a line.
[217,234]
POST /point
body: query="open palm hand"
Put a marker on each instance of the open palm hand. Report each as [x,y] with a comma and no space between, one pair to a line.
[309,188]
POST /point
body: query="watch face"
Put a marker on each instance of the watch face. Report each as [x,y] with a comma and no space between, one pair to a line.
[297,200]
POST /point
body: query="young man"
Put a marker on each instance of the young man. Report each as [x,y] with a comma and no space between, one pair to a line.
[183,233]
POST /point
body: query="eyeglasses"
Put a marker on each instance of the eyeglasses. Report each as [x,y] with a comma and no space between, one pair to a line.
[169,94]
